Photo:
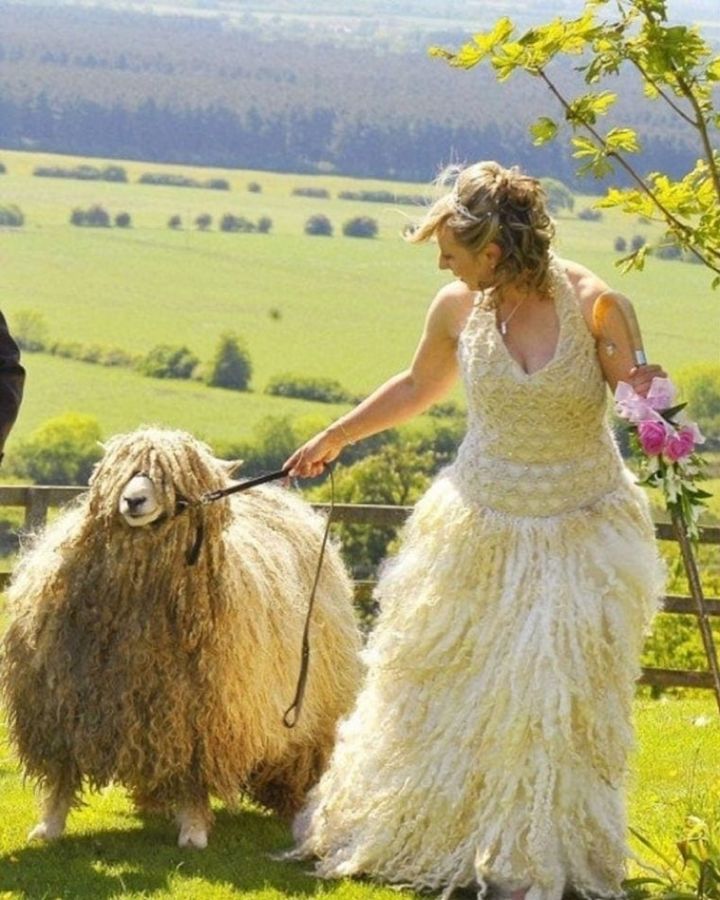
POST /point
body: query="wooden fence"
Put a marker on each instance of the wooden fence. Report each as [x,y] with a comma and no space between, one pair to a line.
[37,500]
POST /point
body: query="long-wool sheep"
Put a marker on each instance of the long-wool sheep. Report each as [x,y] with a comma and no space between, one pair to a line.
[127,661]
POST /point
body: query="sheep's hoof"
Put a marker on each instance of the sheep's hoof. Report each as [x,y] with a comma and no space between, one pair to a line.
[193,836]
[46,830]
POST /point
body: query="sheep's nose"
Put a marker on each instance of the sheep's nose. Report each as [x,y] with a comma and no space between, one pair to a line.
[134,502]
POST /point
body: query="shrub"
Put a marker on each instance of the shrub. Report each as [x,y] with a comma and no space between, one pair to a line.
[167,361]
[93,217]
[322,390]
[668,251]
[203,221]
[361,226]
[317,192]
[114,173]
[11,216]
[383,196]
[3,168]
[123,220]
[175,222]
[30,330]
[319,225]
[62,450]
[590,215]
[264,224]
[637,242]
[620,245]
[217,184]
[236,224]
[231,366]
[254,187]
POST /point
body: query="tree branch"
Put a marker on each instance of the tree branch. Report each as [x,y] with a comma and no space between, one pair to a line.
[673,221]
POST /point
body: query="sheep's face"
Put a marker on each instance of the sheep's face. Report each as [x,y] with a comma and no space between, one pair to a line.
[140,503]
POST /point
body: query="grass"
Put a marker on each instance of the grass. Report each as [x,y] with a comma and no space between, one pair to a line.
[108,852]
[349,309]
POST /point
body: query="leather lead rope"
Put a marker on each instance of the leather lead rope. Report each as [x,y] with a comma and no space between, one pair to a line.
[292,713]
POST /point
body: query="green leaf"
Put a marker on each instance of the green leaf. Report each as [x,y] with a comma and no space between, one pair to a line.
[543,130]
[622,139]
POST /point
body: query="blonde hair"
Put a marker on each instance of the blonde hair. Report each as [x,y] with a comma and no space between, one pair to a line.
[491,204]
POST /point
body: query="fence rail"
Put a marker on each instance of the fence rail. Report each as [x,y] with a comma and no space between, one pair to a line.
[37,500]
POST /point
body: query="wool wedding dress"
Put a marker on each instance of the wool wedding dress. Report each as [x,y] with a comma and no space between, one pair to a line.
[489,742]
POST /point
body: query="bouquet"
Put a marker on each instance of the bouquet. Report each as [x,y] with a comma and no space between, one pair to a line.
[664,439]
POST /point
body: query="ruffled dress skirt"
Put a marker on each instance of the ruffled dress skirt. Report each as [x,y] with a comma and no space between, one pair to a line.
[489,743]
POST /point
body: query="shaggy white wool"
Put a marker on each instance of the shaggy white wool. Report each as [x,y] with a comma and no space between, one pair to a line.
[489,742]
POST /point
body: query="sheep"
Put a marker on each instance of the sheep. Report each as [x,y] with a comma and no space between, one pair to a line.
[155,641]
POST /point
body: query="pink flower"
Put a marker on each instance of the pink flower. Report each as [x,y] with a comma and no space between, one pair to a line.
[652,436]
[661,394]
[680,444]
[630,405]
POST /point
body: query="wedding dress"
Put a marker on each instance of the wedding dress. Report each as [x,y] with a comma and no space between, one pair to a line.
[489,742]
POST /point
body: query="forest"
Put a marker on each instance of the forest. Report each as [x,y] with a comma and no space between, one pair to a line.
[195,90]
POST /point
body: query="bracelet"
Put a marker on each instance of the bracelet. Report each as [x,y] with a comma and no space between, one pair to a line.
[348,440]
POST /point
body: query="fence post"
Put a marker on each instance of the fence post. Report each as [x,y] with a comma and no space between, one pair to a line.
[36,509]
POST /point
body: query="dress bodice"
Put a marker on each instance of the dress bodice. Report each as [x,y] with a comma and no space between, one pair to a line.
[537,444]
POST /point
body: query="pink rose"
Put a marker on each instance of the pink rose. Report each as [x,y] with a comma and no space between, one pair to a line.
[652,436]
[680,444]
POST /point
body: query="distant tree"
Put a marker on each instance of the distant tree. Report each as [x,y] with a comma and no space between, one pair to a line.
[203,221]
[168,361]
[93,217]
[175,222]
[217,184]
[317,193]
[11,216]
[319,225]
[361,226]
[63,450]
[700,388]
[254,187]
[637,242]
[114,173]
[123,220]
[30,330]
[264,224]
[588,214]
[231,366]
[236,224]
[620,244]
[3,168]
[559,196]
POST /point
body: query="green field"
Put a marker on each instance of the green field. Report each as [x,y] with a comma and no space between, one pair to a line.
[343,308]
[108,852]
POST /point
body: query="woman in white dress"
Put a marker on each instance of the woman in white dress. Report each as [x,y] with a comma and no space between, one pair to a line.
[489,742]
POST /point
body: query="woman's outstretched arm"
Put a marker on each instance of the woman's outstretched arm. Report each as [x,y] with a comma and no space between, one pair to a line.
[431,375]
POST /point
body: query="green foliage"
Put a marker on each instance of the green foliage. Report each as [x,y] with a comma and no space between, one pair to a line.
[319,225]
[62,450]
[675,66]
[168,361]
[175,222]
[236,224]
[361,226]
[316,192]
[176,180]
[700,387]
[231,366]
[324,390]
[30,330]
[83,172]
[93,217]
[11,216]
[123,220]
[559,196]
[203,221]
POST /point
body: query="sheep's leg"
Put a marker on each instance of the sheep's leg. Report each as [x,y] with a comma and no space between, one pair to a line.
[194,820]
[54,810]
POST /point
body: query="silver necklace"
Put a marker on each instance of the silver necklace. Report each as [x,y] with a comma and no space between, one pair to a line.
[504,322]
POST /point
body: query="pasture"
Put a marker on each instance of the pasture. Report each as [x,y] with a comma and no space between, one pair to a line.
[337,307]
[108,852]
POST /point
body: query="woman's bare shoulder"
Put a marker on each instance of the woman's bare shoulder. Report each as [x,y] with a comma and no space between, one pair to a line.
[452,305]
[586,285]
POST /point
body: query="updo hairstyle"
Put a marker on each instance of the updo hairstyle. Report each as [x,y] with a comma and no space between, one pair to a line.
[489,203]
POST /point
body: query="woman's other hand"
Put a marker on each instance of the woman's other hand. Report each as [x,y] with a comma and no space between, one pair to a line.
[641,377]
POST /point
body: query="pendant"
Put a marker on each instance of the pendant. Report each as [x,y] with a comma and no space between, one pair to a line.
[503,328]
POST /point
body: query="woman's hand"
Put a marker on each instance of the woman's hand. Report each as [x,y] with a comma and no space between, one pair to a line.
[310,460]
[641,377]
